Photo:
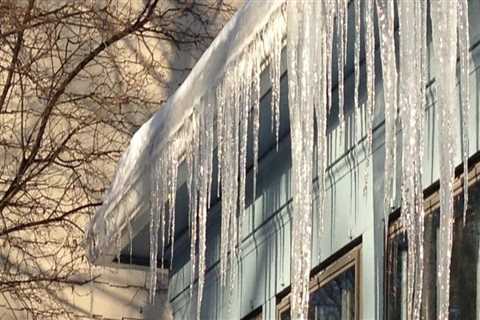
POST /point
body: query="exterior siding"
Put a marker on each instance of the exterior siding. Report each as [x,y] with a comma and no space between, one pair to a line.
[351,214]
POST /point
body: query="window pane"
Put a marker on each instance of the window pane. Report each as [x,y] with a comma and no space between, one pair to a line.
[464,269]
[333,301]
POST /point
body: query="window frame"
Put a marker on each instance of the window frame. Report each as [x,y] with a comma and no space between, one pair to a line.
[324,274]
[431,205]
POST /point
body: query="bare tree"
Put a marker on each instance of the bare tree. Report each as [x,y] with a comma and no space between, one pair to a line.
[76,80]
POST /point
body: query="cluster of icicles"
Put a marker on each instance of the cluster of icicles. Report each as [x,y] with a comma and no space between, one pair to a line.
[220,121]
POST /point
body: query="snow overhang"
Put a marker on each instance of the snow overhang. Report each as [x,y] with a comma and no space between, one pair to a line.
[128,199]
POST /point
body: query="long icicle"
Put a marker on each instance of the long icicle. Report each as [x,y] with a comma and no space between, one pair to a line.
[220,104]
[172,191]
[385,13]
[356,62]
[320,104]
[204,178]
[211,100]
[356,119]
[342,7]
[275,69]
[245,90]
[330,12]
[444,27]
[199,177]
[157,223]
[223,153]
[370,65]
[298,294]
[154,218]
[464,53]
[421,43]
[192,202]
[130,239]
[412,22]
[230,167]
[255,112]
[164,219]
[301,109]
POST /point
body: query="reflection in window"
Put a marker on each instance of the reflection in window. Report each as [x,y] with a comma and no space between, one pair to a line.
[464,269]
[333,293]
[335,300]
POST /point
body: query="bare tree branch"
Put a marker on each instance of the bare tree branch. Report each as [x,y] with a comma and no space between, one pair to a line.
[77,79]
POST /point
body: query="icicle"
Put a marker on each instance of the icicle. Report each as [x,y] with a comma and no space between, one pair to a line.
[420,125]
[421,44]
[195,168]
[412,24]
[464,53]
[161,176]
[320,104]
[356,105]
[444,38]
[301,108]
[172,191]
[342,52]
[358,11]
[210,103]
[204,178]
[385,13]
[153,255]
[220,95]
[370,63]
[222,119]
[118,239]
[130,239]
[330,18]
[223,152]
[235,166]
[230,167]
[155,216]
[275,70]
[91,288]
[298,296]
[256,111]
[167,195]
[118,243]
[192,202]
[245,98]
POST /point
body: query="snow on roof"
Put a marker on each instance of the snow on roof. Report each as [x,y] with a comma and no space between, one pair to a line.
[127,191]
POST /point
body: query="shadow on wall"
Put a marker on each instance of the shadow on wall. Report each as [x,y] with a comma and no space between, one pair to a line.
[125,288]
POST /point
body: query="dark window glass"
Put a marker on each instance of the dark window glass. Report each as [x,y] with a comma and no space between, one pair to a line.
[464,269]
[254,315]
[334,300]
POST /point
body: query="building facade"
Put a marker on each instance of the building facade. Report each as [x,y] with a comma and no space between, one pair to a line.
[360,261]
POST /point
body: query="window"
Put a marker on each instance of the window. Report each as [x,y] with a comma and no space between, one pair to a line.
[465,263]
[333,291]
[254,315]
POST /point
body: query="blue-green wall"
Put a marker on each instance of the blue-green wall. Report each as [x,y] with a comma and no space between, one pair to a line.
[265,258]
